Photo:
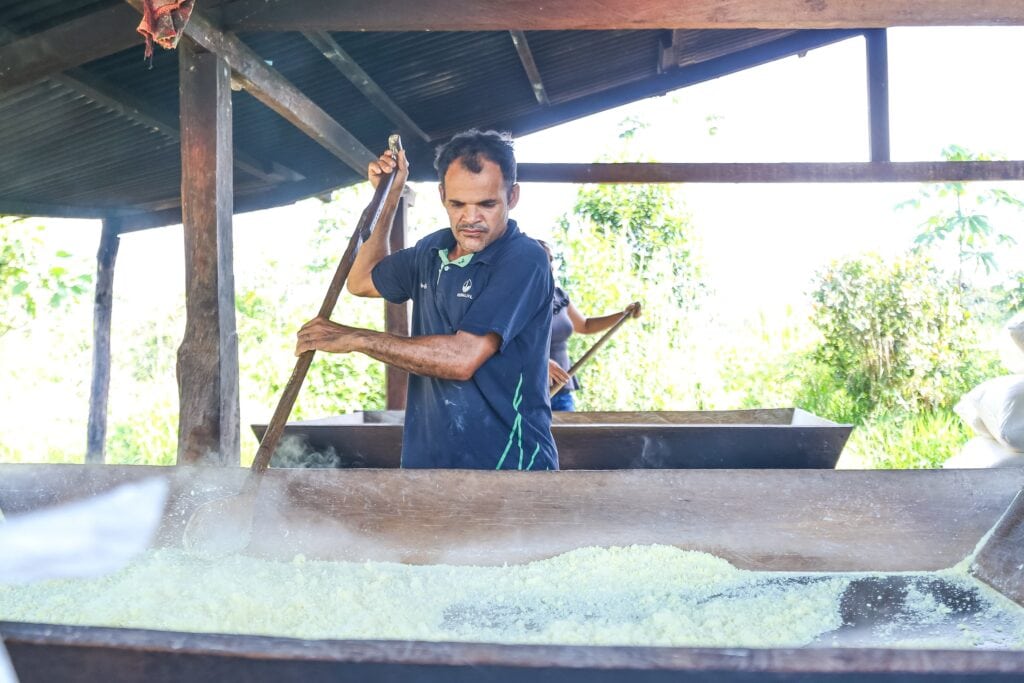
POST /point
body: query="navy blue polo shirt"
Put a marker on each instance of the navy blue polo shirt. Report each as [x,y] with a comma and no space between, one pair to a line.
[501,417]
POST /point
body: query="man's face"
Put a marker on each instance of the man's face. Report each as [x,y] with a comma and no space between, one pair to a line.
[477,205]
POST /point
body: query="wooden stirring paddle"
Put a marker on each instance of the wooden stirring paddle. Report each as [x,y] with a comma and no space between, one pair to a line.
[224,525]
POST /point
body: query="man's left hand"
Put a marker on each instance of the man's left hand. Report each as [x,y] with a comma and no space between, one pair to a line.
[320,334]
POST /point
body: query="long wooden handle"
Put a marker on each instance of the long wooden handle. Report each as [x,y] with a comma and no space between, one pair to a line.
[626,315]
[367,223]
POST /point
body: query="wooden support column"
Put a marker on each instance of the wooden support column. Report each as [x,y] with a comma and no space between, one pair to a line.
[396,318]
[102,313]
[878,92]
[208,427]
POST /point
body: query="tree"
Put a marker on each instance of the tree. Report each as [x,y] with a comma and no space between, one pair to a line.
[894,335]
[29,279]
[624,243]
[962,221]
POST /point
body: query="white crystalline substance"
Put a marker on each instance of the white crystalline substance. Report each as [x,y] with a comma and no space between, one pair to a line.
[638,595]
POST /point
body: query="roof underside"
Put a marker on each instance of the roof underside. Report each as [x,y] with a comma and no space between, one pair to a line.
[96,133]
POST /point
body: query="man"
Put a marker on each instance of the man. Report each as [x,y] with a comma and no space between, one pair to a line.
[481,319]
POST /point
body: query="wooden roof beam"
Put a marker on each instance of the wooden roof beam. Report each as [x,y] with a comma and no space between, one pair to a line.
[272,89]
[530,67]
[485,15]
[67,45]
[876,46]
[794,172]
[351,70]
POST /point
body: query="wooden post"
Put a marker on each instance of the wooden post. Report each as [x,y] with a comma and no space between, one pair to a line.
[878,92]
[208,426]
[396,318]
[102,313]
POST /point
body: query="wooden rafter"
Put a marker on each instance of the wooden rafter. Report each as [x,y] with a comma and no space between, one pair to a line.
[530,67]
[272,89]
[796,172]
[486,15]
[876,44]
[67,45]
[351,70]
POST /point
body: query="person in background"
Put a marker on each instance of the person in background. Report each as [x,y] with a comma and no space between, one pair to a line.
[481,317]
[566,319]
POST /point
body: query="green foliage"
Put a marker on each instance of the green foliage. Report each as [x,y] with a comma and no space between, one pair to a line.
[895,335]
[908,440]
[273,307]
[626,243]
[29,278]
[146,436]
[962,222]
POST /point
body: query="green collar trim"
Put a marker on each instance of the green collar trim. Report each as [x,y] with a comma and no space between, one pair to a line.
[461,262]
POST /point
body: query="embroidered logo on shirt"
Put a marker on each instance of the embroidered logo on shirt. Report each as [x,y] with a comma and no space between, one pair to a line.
[423,285]
[466,286]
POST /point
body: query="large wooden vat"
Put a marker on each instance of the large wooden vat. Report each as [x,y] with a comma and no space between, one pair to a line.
[775,520]
[765,438]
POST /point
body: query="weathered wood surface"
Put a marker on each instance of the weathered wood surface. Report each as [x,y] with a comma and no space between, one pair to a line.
[780,520]
[876,42]
[1000,561]
[482,15]
[350,69]
[208,423]
[68,45]
[751,416]
[794,172]
[274,90]
[396,317]
[102,312]
[43,654]
[778,438]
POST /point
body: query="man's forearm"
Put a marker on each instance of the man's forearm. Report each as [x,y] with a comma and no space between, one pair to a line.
[438,355]
[373,250]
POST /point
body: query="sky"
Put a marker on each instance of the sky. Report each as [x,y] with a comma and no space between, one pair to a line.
[947,86]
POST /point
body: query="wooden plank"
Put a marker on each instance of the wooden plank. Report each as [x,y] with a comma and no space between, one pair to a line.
[1000,562]
[45,653]
[208,429]
[584,446]
[18,207]
[351,70]
[779,520]
[793,172]
[103,303]
[876,43]
[274,90]
[396,318]
[66,45]
[483,15]
[530,67]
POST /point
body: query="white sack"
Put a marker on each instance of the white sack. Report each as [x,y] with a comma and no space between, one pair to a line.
[967,409]
[981,452]
[1001,407]
[1016,329]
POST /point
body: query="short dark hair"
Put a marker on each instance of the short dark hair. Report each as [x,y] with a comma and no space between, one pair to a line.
[470,146]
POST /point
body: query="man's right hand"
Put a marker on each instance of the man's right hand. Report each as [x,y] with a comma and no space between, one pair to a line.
[385,164]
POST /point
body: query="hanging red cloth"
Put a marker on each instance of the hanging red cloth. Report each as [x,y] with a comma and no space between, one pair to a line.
[163,22]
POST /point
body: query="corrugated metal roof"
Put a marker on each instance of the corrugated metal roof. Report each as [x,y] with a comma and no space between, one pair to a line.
[60,147]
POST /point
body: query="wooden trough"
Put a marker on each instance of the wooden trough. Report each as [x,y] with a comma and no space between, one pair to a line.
[778,520]
[705,439]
